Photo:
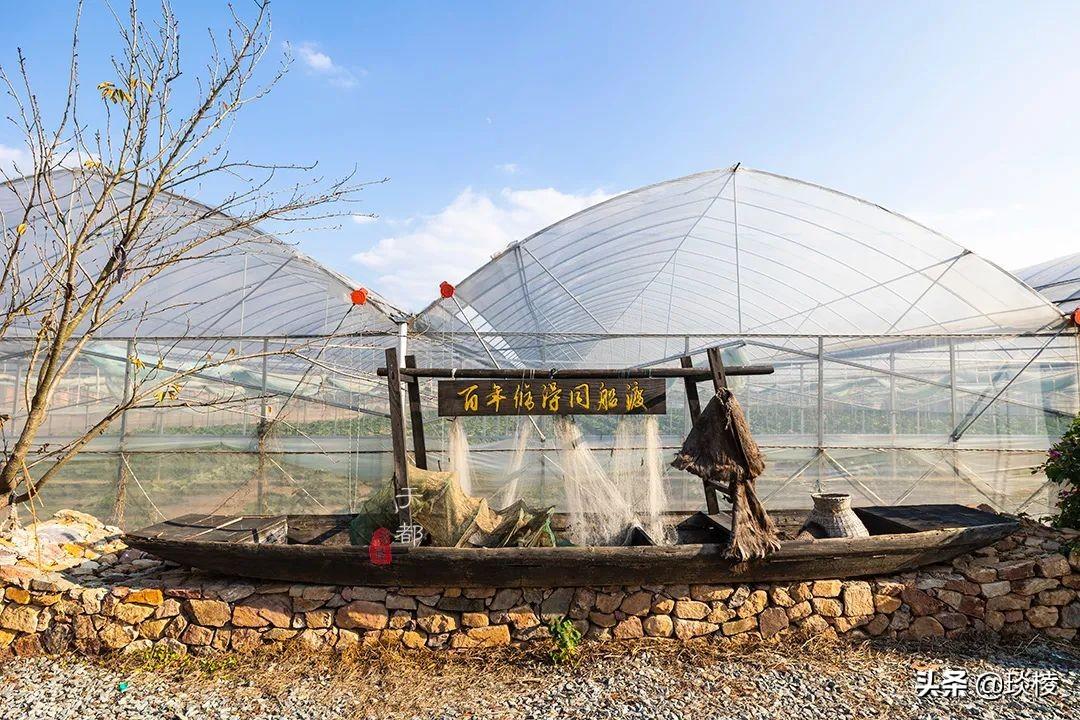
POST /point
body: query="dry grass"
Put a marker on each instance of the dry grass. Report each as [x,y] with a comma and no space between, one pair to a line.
[408,682]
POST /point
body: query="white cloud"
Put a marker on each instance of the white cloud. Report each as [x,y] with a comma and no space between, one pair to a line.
[508,168]
[461,237]
[319,63]
[14,161]
[364,219]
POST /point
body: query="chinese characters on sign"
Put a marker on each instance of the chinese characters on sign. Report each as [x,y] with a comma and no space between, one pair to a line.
[645,396]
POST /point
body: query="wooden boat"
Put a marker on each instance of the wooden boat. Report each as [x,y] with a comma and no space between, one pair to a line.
[316,549]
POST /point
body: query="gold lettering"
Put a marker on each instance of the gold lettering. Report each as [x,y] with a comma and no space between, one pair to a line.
[472,400]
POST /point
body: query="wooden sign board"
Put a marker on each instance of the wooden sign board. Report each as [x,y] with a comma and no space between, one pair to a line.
[565,396]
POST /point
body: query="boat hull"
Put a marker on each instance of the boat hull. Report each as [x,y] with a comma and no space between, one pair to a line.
[297,555]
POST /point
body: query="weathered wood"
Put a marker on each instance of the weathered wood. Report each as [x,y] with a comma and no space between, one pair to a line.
[716,368]
[221,528]
[397,435]
[586,373]
[416,416]
[578,566]
[693,403]
[565,396]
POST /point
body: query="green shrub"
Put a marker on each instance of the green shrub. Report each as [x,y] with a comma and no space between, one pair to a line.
[567,640]
[1062,466]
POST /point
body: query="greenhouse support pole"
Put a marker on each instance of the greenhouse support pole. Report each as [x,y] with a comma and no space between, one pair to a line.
[953,408]
[820,405]
[121,471]
[264,418]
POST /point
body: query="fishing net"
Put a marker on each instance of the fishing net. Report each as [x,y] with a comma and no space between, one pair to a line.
[454,518]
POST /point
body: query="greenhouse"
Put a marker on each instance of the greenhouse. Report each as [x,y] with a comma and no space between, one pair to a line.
[907,368]
[1057,279]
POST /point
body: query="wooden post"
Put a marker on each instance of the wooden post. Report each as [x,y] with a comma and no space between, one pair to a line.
[416,416]
[716,365]
[693,402]
[402,498]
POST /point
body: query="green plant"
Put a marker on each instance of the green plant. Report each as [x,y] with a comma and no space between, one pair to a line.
[567,640]
[1062,466]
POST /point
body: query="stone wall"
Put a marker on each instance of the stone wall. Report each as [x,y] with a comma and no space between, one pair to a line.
[97,596]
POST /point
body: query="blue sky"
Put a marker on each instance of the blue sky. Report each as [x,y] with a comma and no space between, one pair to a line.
[494,119]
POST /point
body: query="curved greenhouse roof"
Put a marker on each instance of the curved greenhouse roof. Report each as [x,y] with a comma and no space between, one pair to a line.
[245,283]
[1058,280]
[735,251]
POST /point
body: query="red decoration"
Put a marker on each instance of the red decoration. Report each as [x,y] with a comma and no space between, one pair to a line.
[446,290]
[358,296]
[1076,316]
[379,549]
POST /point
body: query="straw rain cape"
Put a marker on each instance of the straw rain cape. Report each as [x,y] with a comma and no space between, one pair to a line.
[721,450]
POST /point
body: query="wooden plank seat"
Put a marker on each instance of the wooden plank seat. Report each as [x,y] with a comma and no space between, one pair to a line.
[258,529]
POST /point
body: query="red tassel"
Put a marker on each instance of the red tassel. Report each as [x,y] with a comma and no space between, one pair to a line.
[446,290]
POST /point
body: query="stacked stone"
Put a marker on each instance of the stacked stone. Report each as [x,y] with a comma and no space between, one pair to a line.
[1022,585]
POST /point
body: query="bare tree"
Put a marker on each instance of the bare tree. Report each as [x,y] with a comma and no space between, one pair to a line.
[97,220]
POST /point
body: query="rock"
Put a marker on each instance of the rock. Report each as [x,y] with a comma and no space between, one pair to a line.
[263,610]
[657,626]
[691,610]
[1033,586]
[522,617]
[583,603]
[1056,597]
[739,596]
[951,598]
[755,602]
[210,613]
[604,620]
[686,629]
[505,599]
[800,593]
[629,628]
[28,646]
[827,607]
[719,613]
[925,627]
[637,603]
[132,614]
[146,596]
[369,594]
[21,618]
[362,614]
[780,597]
[399,602]
[1018,570]
[491,636]
[886,603]
[246,640]
[1070,615]
[1052,566]
[413,640]
[710,593]
[1008,602]
[1042,617]
[995,589]
[980,574]
[17,595]
[815,625]
[557,604]
[858,599]
[609,602]
[316,619]
[57,638]
[877,625]
[475,620]
[434,622]
[115,636]
[952,620]
[774,620]
[919,602]
[197,635]
[662,606]
[153,629]
[963,587]
[800,611]
[826,588]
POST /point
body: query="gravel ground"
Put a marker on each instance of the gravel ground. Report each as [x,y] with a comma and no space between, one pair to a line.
[644,680]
